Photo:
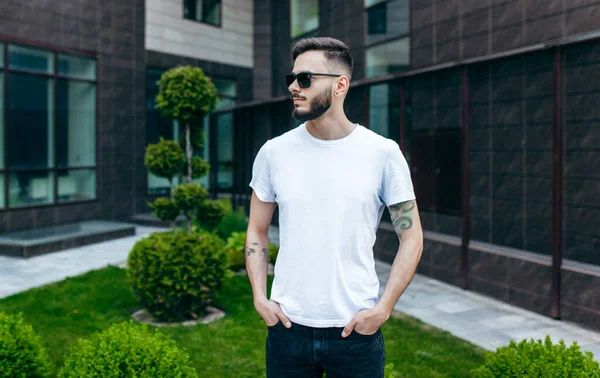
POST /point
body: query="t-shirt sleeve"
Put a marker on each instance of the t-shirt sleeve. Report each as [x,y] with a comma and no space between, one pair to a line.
[261,175]
[396,184]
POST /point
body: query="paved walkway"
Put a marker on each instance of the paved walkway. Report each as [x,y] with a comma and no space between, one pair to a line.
[483,321]
[17,274]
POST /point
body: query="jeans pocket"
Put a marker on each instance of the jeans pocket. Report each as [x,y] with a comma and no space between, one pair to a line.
[275,325]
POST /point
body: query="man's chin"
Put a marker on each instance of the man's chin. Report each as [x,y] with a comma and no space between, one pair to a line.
[301,116]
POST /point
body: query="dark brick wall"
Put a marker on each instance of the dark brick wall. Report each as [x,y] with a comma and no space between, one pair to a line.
[262,50]
[580,298]
[582,152]
[511,152]
[448,30]
[113,31]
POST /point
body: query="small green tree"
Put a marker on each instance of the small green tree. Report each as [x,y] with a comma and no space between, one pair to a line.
[186,94]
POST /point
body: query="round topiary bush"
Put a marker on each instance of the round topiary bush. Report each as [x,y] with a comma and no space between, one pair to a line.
[21,351]
[212,212]
[534,358]
[175,275]
[127,350]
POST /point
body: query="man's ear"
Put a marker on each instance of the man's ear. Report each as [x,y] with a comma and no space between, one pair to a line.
[342,86]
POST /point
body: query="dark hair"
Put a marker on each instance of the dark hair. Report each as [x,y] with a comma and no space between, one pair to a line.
[335,51]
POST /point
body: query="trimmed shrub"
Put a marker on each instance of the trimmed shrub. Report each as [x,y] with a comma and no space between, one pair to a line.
[21,351]
[189,197]
[127,350]
[175,275]
[200,167]
[534,358]
[165,158]
[235,222]
[164,209]
[235,251]
[211,213]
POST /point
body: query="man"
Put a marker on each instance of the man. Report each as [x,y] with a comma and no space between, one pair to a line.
[331,179]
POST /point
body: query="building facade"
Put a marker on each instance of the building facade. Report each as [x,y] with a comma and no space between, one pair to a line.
[494,104]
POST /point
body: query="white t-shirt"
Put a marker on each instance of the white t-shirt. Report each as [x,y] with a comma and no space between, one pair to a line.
[331,196]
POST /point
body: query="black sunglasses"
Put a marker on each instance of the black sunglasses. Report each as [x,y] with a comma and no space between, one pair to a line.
[305,78]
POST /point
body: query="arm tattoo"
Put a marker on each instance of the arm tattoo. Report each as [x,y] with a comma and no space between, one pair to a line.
[252,249]
[265,254]
[402,216]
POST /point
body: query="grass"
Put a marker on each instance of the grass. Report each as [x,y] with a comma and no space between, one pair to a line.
[232,347]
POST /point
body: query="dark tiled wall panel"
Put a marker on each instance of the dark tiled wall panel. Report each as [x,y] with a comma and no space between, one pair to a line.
[582,152]
[449,30]
[263,34]
[511,152]
[581,298]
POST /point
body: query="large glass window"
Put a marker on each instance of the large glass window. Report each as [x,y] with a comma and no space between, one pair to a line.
[305,17]
[207,11]
[49,140]
[388,57]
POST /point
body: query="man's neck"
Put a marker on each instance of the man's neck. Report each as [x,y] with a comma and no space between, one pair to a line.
[330,128]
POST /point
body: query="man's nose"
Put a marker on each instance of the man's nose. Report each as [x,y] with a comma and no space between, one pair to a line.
[294,88]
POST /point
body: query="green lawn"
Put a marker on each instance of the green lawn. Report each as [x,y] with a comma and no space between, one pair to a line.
[232,347]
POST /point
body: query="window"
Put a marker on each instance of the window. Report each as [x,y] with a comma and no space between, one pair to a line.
[305,17]
[227,90]
[389,57]
[225,150]
[387,40]
[384,110]
[48,144]
[207,11]
[377,20]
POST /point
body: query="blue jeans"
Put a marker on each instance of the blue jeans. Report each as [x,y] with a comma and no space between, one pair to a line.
[307,352]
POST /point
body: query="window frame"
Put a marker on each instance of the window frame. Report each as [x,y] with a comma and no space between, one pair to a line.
[53,77]
[306,33]
[219,25]
[367,46]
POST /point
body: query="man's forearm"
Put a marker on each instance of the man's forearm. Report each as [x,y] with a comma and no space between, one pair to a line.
[256,254]
[402,272]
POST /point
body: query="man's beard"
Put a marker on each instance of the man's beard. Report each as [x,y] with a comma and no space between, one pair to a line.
[318,106]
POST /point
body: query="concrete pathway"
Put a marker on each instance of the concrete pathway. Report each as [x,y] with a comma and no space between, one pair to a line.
[478,319]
